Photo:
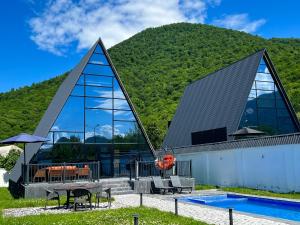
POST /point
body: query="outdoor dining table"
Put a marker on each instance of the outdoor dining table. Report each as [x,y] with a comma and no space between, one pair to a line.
[70,187]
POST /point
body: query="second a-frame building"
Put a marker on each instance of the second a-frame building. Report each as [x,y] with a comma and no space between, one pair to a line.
[247,93]
[91,118]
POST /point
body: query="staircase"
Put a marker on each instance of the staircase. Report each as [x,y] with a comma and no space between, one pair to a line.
[119,186]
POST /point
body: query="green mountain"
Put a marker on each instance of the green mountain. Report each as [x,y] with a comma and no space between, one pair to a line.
[155,66]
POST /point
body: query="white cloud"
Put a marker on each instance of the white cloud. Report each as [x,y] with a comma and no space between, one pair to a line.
[64,22]
[239,22]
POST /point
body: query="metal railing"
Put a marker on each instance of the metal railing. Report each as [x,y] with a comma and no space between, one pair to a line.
[91,171]
[149,168]
[61,172]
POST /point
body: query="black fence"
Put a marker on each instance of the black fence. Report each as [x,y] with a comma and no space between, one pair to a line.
[91,171]
[61,172]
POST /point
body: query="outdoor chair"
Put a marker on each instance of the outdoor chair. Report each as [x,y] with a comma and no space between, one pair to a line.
[108,197]
[176,183]
[158,184]
[51,195]
[82,196]
[84,173]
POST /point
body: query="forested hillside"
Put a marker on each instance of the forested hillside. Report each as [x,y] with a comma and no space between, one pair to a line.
[155,66]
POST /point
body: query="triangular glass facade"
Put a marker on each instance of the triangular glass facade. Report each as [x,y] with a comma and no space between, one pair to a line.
[266,110]
[96,122]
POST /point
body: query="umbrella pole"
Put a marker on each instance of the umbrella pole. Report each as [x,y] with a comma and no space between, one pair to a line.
[24,164]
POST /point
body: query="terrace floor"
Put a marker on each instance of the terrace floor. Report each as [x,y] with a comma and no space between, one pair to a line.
[165,203]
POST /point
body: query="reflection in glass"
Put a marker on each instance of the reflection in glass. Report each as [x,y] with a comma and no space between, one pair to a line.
[98,80]
[81,80]
[126,132]
[78,91]
[71,118]
[67,137]
[104,103]
[98,128]
[91,91]
[98,70]
[99,50]
[98,59]
[266,112]
[124,115]
[118,93]
[121,104]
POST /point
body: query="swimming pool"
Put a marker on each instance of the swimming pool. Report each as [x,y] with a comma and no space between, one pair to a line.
[262,206]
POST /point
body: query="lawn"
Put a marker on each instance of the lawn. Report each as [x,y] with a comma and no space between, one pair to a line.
[109,217]
[114,216]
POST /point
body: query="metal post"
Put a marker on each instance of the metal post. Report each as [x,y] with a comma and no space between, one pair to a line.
[136,219]
[230,217]
[98,165]
[64,172]
[190,168]
[141,199]
[27,173]
[136,169]
[176,206]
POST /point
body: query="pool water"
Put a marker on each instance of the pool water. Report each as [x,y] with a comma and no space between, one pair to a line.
[262,206]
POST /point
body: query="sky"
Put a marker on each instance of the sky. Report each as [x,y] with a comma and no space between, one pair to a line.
[41,39]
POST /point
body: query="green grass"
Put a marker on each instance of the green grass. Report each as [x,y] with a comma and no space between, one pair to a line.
[8,201]
[199,187]
[115,216]
[250,191]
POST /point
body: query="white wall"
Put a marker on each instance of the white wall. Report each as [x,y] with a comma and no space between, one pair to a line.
[3,178]
[275,168]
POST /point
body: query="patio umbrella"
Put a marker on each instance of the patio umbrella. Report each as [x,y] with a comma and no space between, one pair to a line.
[24,139]
[246,131]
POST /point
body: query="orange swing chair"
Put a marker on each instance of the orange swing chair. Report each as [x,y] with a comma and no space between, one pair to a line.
[166,163]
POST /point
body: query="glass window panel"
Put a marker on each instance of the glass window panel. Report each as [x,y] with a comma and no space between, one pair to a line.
[78,90]
[98,92]
[98,59]
[123,115]
[252,94]
[98,80]
[253,86]
[98,50]
[263,69]
[67,137]
[80,80]
[71,118]
[121,104]
[63,152]
[286,125]
[104,103]
[98,126]
[265,94]
[98,70]
[267,117]
[126,132]
[280,103]
[264,77]
[43,155]
[265,103]
[265,85]
[282,113]
[118,93]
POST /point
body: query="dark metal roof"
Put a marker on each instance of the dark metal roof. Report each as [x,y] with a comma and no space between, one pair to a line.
[215,101]
[218,100]
[287,139]
[57,104]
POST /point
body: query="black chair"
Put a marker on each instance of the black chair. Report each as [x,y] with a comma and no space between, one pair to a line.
[176,183]
[51,195]
[82,196]
[158,184]
[108,197]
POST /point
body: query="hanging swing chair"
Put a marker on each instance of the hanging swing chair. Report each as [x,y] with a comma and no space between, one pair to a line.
[166,163]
